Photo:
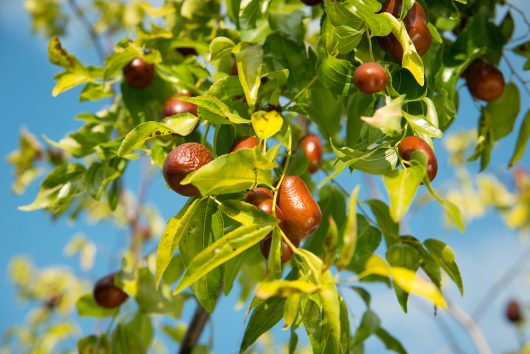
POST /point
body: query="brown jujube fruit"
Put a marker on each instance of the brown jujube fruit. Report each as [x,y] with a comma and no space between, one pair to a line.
[175,106]
[257,195]
[266,206]
[247,142]
[484,80]
[411,144]
[138,73]
[513,312]
[313,151]
[287,252]
[180,162]
[370,77]
[108,295]
[302,215]
[416,24]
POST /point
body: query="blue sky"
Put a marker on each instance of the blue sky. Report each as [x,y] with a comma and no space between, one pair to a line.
[484,251]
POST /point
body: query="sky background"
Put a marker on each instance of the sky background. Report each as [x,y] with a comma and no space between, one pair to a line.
[484,251]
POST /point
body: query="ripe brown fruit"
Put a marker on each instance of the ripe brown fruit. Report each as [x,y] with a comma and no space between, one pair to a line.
[108,295]
[370,77]
[313,151]
[175,106]
[138,73]
[247,142]
[484,80]
[416,24]
[257,195]
[302,215]
[182,160]
[411,144]
[266,206]
[287,252]
[312,2]
[513,312]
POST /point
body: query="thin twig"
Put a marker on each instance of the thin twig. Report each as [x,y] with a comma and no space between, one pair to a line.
[467,322]
[193,334]
[508,276]
[89,27]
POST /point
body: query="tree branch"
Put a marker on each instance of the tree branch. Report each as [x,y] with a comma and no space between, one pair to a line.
[471,327]
[193,334]
[508,276]
[89,27]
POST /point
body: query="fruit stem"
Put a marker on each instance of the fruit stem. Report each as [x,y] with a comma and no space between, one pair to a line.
[305,88]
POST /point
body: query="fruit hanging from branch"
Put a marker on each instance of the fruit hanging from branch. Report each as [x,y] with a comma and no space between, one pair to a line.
[412,144]
[107,294]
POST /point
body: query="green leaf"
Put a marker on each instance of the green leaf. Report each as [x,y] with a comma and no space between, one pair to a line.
[402,185]
[263,318]
[249,13]
[451,210]
[199,236]
[368,240]
[181,124]
[411,59]
[59,56]
[230,173]
[381,212]
[249,60]
[285,288]
[222,250]
[245,213]
[406,279]
[326,110]
[370,323]
[217,107]
[68,80]
[522,140]
[266,124]
[176,228]
[377,23]
[87,307]
[349,238]
[220,47]
[94,345]
[503,111]
[447,259]
[422,126]
[390,342]
[404,256]
[336,74]
[388,117]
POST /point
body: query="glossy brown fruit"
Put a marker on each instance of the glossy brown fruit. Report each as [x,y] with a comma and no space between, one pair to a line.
[484,80]
[174,106]
[287,252]
[257,195]
[312,2]
[266,206]
[370,77]
[411,144]
[513,312]
[416,24]
[302,215]
[313,151]
[108,295]
[247,142]
[138,73]
[233,68]
[182,160]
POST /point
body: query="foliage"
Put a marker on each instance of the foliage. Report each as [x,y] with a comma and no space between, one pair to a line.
[294,75]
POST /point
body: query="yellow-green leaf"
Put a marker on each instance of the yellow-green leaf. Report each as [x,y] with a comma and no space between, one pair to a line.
[285,288]
[266,124]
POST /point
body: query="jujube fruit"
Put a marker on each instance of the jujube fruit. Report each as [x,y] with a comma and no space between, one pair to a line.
[180,162]
[257,195]
[513,312]
[175,106]
[138,73]
[370,77]
[286,254]
[247,142]
[302,215]
[266,206]
[416,24]
[108,295]
[313,151]
[484,80]
[411,144]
